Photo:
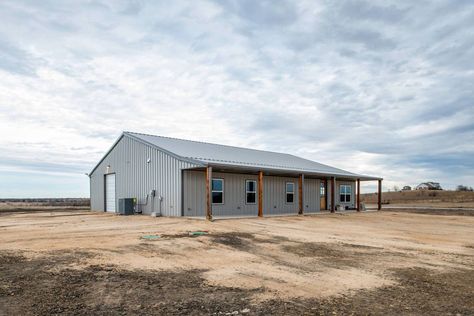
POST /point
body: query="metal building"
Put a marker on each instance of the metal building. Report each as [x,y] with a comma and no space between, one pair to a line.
[175,177]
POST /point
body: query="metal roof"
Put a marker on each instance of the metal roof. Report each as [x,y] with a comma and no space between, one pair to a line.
[238,157]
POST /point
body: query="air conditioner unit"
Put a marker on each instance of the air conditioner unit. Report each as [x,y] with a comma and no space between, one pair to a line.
[126,206]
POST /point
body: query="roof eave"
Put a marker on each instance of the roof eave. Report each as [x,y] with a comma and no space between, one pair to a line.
[295,171]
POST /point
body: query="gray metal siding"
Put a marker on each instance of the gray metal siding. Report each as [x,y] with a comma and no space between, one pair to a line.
[234,195]
[194,190]
[135,177]
[311,196]
[338,198]
[274,196]
[243,157]
[274,199]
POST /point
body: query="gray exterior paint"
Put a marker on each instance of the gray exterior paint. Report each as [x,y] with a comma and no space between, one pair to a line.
[252,159]
[274,195]
[234,195]
[142,163]
[311,195]
[135,177]
[194,188]
[337,198]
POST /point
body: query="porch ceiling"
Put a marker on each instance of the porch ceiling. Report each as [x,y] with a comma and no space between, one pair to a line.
[284,173]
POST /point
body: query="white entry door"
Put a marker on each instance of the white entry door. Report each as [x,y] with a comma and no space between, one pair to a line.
[110,193]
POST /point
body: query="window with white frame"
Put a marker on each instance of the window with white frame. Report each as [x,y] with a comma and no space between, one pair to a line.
[290,192]
[218,191]
[250,191]
[345,192]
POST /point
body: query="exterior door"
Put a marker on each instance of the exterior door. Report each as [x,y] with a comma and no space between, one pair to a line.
[322,194]
[110,193]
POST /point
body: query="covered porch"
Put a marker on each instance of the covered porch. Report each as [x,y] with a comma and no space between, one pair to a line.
[330,196]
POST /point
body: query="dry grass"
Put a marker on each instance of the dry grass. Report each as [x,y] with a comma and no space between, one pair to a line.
[423,197]
[43,204]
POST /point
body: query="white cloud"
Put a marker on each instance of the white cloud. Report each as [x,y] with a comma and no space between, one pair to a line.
[376,89]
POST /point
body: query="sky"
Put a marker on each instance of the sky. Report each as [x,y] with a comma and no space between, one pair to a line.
[378,88]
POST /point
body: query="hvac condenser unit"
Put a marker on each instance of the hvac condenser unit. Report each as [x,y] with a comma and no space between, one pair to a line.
[126,206]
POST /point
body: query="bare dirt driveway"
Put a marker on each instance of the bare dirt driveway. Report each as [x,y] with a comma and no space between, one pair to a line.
[80,262]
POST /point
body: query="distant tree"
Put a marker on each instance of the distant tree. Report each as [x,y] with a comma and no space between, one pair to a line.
[396,188]
[464,188]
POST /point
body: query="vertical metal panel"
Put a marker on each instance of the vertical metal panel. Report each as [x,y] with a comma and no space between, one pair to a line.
[274,196]
[311,195]
[350,204]
[234,195]
[194,198]
[135,177]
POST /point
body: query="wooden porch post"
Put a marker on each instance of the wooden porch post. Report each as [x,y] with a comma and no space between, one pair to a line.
[300,194]
[208,193]
[260,193]
[333,194]
[358,195]
[380,195]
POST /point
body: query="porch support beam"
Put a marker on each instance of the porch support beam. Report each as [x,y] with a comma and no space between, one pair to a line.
[300,194]
[260,193]
[208,193]
[333,194]
[358,195]
[379,207]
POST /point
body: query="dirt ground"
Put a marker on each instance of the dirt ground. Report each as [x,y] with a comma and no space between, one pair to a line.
[430,210]
[80,262]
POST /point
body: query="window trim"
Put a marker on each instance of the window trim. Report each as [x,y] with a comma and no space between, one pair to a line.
[345,193]
[212,191]
[246,191]
[288,192]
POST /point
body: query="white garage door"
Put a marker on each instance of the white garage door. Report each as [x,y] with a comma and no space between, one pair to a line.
[110,193]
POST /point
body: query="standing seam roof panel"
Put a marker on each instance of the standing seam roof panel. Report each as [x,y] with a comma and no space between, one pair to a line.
[238,156]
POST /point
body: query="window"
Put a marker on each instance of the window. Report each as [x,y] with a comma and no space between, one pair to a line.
[250,191]
[218,191]
[322,189]
[290,192]
[345,193]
